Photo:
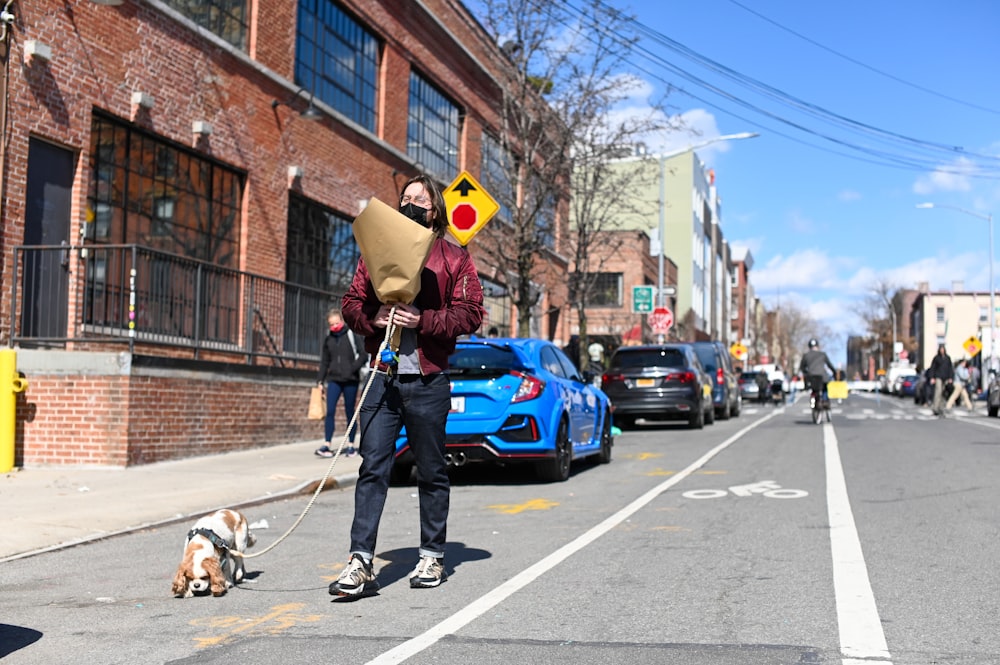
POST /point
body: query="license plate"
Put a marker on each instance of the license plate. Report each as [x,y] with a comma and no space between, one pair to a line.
[458,404]
[645,383]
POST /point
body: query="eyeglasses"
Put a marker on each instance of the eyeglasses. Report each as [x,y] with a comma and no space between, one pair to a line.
[419,200]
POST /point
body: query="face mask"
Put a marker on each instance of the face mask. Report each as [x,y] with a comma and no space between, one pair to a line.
[416,213]
[336,327]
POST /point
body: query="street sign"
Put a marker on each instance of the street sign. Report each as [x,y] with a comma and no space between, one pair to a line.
[642,299]
[972,346]
[469,207]
[661,320]
[738,351]
[669,290]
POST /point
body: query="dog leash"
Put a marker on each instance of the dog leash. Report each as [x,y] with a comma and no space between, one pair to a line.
[389,330]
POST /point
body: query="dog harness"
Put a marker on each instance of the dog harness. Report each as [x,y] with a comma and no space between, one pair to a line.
[212,536]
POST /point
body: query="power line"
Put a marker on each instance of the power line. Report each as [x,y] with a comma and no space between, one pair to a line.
[863,64]
[929,155]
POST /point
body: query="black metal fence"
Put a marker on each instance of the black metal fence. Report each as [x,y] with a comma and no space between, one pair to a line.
[132,294]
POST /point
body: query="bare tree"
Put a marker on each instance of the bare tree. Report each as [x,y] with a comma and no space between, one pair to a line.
[880,310]
[562,81]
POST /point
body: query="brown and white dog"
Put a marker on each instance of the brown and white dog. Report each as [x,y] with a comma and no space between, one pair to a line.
[211,562]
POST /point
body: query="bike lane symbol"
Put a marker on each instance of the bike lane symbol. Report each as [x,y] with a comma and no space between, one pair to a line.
[767,488]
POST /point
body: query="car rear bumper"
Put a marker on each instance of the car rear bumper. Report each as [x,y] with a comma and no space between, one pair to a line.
[677,408]
[483,449]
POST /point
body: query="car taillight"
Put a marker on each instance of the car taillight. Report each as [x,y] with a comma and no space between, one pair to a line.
[719,377]
[607,379]
[683,377]
[530,388]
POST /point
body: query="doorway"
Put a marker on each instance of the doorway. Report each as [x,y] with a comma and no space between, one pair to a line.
[45,257]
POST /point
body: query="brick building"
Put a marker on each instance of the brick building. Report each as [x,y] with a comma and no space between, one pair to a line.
[178,186]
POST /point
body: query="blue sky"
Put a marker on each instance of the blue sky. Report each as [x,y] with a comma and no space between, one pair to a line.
[826,219]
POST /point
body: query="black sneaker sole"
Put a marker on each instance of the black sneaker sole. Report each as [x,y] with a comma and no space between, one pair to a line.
[417,584]
[366,589]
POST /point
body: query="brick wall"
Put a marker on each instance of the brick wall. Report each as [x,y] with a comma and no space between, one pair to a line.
[109,409]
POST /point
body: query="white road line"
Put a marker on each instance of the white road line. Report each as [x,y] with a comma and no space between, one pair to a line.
[484,603]
[861,635]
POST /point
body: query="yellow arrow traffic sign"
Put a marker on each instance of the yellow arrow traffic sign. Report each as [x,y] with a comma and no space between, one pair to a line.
[469,207]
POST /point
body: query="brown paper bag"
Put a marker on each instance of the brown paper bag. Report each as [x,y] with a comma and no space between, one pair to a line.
[317,404]
[395,249]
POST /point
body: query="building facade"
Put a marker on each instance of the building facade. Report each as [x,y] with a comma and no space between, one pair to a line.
[179,184]
[952,318]
[679,193]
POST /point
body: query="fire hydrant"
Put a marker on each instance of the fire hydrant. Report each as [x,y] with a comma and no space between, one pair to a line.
[11,383]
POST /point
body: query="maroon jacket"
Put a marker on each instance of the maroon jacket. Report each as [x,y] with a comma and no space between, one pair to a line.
[450,303]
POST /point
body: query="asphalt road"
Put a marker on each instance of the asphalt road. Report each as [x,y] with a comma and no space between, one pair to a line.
[762,539]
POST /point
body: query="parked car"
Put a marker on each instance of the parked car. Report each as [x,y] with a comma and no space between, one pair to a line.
[715,358]
[519,400]
[659,382]
[863,386]
[908,385]
[749,389]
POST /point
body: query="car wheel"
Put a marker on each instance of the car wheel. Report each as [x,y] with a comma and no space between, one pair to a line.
[556,469]
[726,412]
[710,415]
[607,441]
[738,407]
[697,420]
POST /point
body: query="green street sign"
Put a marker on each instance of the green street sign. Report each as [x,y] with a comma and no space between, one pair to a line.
[642,299]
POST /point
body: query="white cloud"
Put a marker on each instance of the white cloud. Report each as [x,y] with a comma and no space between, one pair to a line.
[798,223]
[954,179]
[849,196]
[940,271]
[808,269]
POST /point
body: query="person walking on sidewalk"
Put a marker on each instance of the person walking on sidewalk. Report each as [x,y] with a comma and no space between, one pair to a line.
[960,392]
[339,364]
[414,392]
[941,374]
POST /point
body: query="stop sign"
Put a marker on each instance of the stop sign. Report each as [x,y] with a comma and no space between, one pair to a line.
[660,320]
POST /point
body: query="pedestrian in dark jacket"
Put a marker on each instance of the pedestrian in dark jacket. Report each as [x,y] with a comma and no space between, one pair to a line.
[340,361]
[413,391]
[941,373]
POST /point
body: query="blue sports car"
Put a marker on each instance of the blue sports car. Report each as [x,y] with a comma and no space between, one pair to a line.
[520,400]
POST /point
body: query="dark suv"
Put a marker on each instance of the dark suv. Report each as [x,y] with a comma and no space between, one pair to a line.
[658,382]
[725,387]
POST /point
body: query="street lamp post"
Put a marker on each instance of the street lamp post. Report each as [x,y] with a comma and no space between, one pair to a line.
[993,312]
[661,298]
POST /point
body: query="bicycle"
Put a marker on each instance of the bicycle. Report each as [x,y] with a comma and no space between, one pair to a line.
[819,405]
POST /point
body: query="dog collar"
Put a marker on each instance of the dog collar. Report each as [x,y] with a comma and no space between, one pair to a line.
[212,538]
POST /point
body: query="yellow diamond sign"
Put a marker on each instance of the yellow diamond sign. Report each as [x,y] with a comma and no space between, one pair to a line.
[972,346]
[469,207]
[738,351]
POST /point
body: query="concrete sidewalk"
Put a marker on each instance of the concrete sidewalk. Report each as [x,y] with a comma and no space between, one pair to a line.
[51,507]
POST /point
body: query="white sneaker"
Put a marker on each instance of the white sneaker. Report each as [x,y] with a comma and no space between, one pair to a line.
[428,573]
[356,579]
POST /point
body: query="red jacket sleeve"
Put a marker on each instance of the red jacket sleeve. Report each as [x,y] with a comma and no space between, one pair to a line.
[462,312]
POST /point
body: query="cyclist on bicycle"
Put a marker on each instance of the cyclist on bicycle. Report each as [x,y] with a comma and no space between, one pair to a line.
[813,367]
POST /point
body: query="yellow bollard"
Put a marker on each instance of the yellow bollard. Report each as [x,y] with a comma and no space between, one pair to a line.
[11,383]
